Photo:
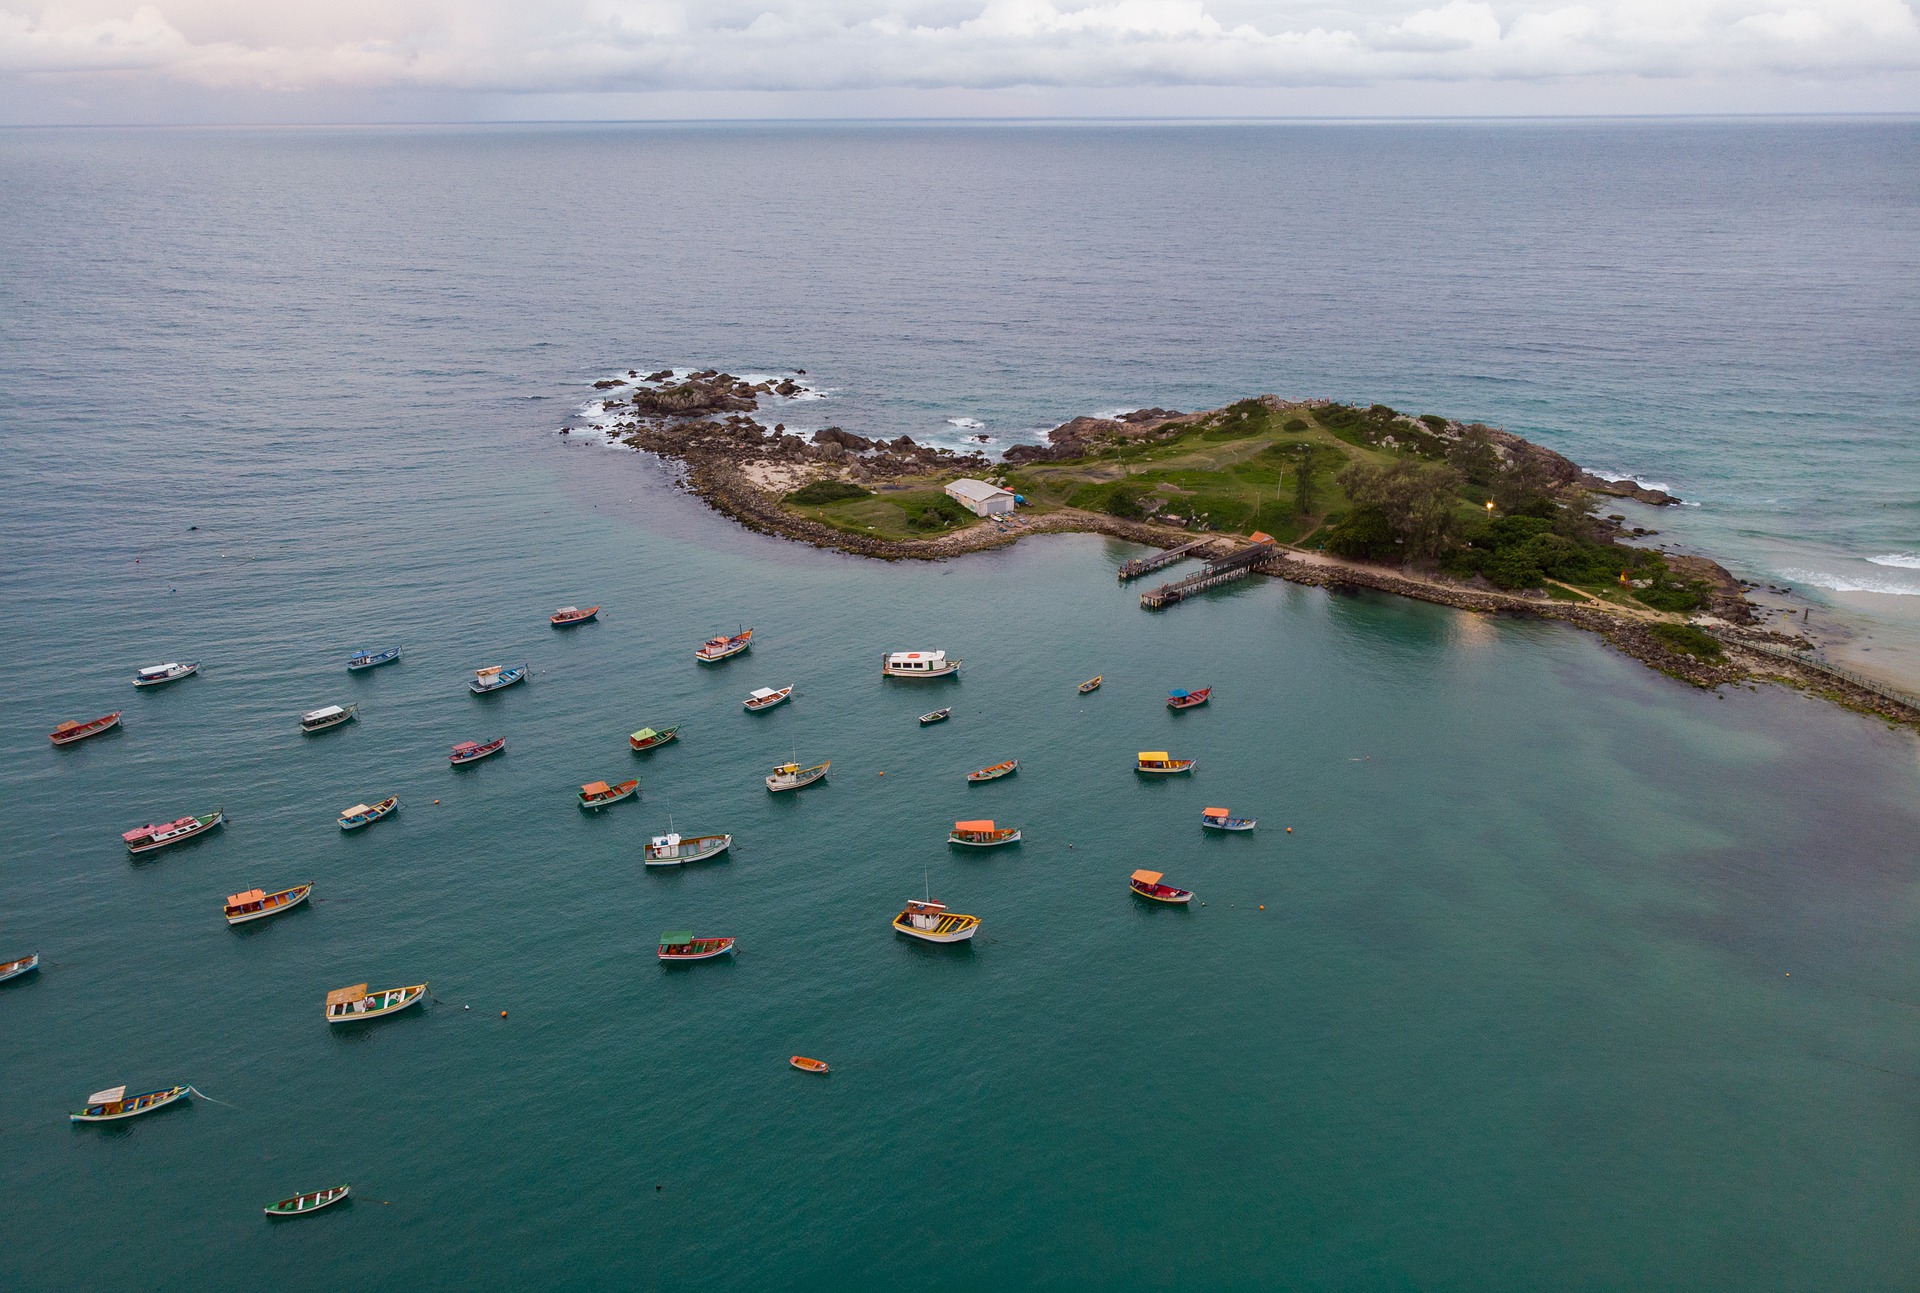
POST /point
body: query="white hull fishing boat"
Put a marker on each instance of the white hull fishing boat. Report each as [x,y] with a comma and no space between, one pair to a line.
[724,647]
[497,678]
[257,904]
[352,1005]
[918,664]
[173,671]
[301,1204]
[761,698]
[145,839]
[791,776]
[673,850]
[24,965]
[1160,763]
[114,1103]
[319,720]
[931,922]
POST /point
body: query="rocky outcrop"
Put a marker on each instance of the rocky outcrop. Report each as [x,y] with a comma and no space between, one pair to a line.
[1623,489]
[708,392]
[845,439]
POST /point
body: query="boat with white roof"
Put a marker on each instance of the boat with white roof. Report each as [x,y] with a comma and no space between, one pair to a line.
[319,720]
[918,664]
[173,671]
[673,849]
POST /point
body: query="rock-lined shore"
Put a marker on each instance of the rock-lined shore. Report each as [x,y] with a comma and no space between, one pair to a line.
[744,468]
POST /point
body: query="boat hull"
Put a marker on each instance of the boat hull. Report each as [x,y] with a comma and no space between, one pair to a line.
[301,1205]
[80,733]
[511,678]
[776,784]
[1231,824]
[994,773]
[25,965]
[806,1065]
[1163,893]
[569,621]
[724,648]
[1091,684]
[937,716]
[753,706]
[961,934]
[486,751]
[1185,765]
[947,670]
[954,837]
[292,898]
[703,954]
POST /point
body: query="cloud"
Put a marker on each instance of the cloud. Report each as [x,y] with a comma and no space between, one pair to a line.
[516,47]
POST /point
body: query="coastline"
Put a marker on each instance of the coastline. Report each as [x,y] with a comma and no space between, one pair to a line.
[746,471]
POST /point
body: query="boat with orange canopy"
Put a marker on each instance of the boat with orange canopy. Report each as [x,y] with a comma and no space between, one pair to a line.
[1147,885]
[598,794]
[257,904]
[982,834]
[69,732]
[1219,819]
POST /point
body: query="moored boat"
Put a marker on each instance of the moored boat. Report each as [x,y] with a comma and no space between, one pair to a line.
[1092,684]
[672,849]
[598,794]
[1178,699]
[365,659]
[791,776]
[931,922]
[352,819]
[497,678]
[257,904]
[995,772]
[301,1204]
[648,739]
[1220,819]
[172,671]
[937,716]
[766,697]
[319,720]
[22,965]
[680,945]
[69,732]
[351,1005]
[145,839]
[806,1065]
[568,616]
[469,751]
[1147,885]
[114,1103]
[982,834]
[1160,762]
[918,664]
[724,646]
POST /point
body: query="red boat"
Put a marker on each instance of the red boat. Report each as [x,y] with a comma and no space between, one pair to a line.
[568,616]
[468,751]
[1188,699]
[683,946]
[69,732]
[1147,885]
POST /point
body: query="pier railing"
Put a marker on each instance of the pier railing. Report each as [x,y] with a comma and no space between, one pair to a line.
[1160,560]
[1811,661]
[1235,565]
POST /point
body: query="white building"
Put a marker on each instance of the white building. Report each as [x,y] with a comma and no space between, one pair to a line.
[981,498]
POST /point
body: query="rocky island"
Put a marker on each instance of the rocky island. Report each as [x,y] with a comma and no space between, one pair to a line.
[1460,514]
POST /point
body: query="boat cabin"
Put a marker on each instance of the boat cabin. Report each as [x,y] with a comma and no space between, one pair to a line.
[923,913]
[595,789]
[251,900]
[325,714]
[107,1101]
[1220,813]
[342,1000]
[1155,759]
[159,670]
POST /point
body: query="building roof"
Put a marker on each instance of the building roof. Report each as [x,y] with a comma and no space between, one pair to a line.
[977,491]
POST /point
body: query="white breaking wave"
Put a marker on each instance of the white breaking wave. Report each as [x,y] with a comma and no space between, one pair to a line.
[1905,560]
[1618,476]
[967,424]
[1849,584]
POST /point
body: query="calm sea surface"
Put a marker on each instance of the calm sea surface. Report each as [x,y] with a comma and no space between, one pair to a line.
[1566,975]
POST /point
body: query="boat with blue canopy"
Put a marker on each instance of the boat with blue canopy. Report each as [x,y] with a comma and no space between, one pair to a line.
[365,659]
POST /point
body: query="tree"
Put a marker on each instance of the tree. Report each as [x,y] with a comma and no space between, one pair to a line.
[1303,482]
[1419,503]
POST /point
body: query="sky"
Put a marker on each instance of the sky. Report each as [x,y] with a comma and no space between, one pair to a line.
[194,61]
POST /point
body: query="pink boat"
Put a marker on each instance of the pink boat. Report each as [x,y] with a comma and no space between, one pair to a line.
[469,751]
[145,839]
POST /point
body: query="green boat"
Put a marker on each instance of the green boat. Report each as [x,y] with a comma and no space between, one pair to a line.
[301,1204]
[648,739]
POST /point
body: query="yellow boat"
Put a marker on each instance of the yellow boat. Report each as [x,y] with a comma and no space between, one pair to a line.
[931,922]
[1160,762]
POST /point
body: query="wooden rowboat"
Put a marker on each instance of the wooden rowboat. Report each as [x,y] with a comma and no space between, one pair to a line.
[1091,684]
[806,1065]
[1161,763]
[256,904]
[1147,885]
[982,835]
[648,739]
[69,732]
[995,772]
[355,1004]
[469,751]
[365,659]
[352,819]
[680,945]
[1178,699]
[568,616]
[145,839]
[114,1103]
[766,697]
[1219,819]
[14,969]
[937,716]
[301,1204]
[598,794]
[497,677]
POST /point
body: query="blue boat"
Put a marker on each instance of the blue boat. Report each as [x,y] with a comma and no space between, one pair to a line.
[496,677]
[365,659]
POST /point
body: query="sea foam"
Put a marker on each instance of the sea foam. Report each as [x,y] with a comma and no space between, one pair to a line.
[1905,560]
[1850,584]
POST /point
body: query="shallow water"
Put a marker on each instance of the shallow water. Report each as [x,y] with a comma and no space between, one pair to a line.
[1510,1006]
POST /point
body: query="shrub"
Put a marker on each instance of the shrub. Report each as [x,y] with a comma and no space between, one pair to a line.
[1123,501]
[1363,532]
[821,492]
[1688,640]
[1296,424]
[936,514]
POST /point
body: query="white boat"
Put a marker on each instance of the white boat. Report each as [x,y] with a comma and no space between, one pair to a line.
[319,720]
[154,675]
[496,677]
[257,904]
[673,850]
[791,776]
[114,1103]
[931,922]
[351,1005]
[766,697]
[918,664]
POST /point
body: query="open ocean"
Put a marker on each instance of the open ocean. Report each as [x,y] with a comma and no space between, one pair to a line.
[1567,975]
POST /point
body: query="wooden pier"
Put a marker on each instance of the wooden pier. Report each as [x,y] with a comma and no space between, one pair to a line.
[1236,565]
[1160,560]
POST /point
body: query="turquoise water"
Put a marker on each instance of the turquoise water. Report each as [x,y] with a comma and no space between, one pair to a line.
[1566,975]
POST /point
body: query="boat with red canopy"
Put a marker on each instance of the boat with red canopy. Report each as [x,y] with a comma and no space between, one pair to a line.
[69,732]
[145,839]
[598,794]
[257,904]
[1147,885]
[469,751]
[14,969]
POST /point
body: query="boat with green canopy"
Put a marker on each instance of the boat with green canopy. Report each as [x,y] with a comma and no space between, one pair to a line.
[648,739]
